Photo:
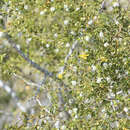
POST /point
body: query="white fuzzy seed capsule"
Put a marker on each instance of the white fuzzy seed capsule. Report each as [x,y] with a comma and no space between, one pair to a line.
[2,34]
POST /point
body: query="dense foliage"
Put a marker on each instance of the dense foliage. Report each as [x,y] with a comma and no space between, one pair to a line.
[85,48]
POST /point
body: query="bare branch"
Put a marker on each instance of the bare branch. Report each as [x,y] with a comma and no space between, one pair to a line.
[35,65]
[68,55]
[27,82]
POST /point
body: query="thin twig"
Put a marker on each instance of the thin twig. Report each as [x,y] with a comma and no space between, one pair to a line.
[68,55]
[27,82]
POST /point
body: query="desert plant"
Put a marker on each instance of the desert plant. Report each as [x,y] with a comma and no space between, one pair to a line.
[65,63]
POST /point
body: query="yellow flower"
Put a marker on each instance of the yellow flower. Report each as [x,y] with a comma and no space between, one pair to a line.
[125,129]
[103,59]
[84,56]
[89,68]
[27,87]
[60,76]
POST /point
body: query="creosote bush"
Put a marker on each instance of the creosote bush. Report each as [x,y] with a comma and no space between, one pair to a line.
[67,62]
